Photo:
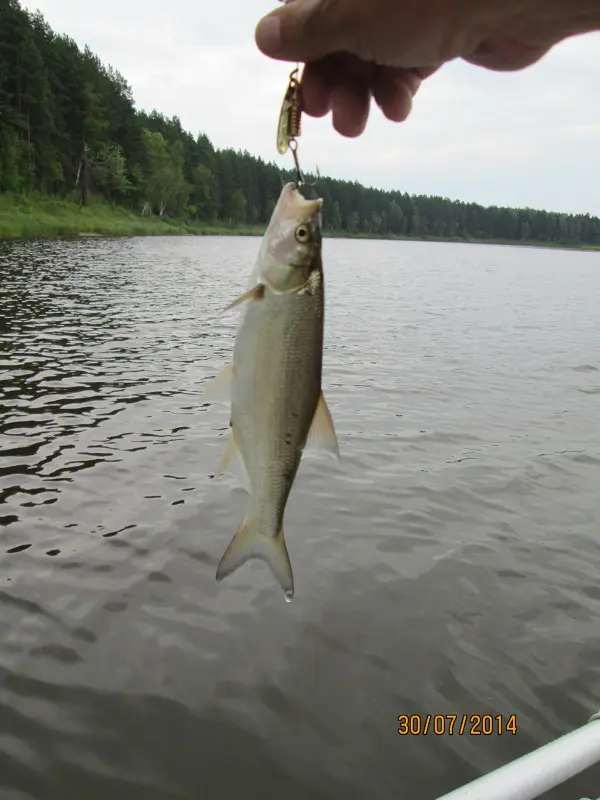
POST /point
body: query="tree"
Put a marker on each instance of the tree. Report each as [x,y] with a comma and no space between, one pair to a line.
[109,172]
[202,192]
[336,217]
[166,188]
[395,217]
[58,101]
[238,206]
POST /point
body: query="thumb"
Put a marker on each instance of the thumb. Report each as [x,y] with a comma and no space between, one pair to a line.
[506,55]
[304,30]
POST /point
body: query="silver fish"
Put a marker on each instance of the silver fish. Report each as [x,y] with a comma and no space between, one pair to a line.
[277,407]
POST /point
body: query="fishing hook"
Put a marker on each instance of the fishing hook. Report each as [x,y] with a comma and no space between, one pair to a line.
[294,148]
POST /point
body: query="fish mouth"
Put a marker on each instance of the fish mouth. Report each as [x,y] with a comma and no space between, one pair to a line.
[294,205]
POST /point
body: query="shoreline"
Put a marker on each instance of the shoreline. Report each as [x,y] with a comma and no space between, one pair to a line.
[43,217]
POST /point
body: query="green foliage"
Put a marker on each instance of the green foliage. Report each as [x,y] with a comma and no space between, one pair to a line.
[109,172]
[69,129]
[10,157]
[165,186]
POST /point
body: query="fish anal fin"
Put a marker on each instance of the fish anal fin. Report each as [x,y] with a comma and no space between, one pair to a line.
[219,387]
[321,436]
[249,544]
[232,462]
[256,293]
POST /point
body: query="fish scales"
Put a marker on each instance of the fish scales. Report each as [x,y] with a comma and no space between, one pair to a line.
[274,401]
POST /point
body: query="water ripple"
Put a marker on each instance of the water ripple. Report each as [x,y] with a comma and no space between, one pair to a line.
[446,565]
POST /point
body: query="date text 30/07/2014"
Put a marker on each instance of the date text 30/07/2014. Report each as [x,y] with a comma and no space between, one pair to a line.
[457,724]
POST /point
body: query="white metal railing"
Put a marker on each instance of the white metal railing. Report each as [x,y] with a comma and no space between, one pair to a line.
[530,776]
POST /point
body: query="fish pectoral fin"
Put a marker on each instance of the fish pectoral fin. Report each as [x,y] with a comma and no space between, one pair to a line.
[256,293]
[232,462]
[248,544]
[321,436]
[219,387]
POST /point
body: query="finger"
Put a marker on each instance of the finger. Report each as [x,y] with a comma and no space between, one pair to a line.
[320,77]
[306,30]
[350,108]
[393,91]
[351,81]
[340,83]
[318,80]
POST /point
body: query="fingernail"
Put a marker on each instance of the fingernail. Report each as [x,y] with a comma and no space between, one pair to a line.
[268,35]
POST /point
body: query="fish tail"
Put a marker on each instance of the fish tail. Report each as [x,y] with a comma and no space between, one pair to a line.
[248,544]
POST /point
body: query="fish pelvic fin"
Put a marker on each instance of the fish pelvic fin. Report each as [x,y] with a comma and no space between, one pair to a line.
[249,543]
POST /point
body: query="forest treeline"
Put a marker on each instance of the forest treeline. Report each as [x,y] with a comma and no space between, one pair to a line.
[69,127]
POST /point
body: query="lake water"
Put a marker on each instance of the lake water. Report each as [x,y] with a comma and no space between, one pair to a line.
[448,564]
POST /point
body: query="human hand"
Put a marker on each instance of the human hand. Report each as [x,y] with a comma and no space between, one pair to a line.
[355,50]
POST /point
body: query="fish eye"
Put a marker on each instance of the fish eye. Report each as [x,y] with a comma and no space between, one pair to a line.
[302,234]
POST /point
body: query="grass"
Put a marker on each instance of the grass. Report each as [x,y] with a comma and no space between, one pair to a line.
[38,216]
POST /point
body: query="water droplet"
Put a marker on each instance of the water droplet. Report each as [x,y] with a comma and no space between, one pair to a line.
[289,596]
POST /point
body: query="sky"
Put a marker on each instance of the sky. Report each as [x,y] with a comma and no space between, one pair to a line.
[530,138]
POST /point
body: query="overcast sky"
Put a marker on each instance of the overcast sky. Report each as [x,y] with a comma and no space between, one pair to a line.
[521,139]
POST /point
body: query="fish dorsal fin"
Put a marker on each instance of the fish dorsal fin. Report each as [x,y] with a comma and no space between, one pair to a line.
[256,293]
[219,387]
[232,462]
[322,437]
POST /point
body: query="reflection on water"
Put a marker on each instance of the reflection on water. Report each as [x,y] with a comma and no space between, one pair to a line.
[446,565]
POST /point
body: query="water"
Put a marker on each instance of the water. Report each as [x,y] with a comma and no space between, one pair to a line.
[447,565]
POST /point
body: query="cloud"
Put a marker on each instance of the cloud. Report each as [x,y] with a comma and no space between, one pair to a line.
[522,139]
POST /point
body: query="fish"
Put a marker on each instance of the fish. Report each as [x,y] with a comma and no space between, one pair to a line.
[278,410]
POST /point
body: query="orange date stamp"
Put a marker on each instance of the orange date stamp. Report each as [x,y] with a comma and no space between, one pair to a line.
[457,724]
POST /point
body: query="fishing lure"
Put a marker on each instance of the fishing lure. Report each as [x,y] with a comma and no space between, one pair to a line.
[289,125]
[290,118]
